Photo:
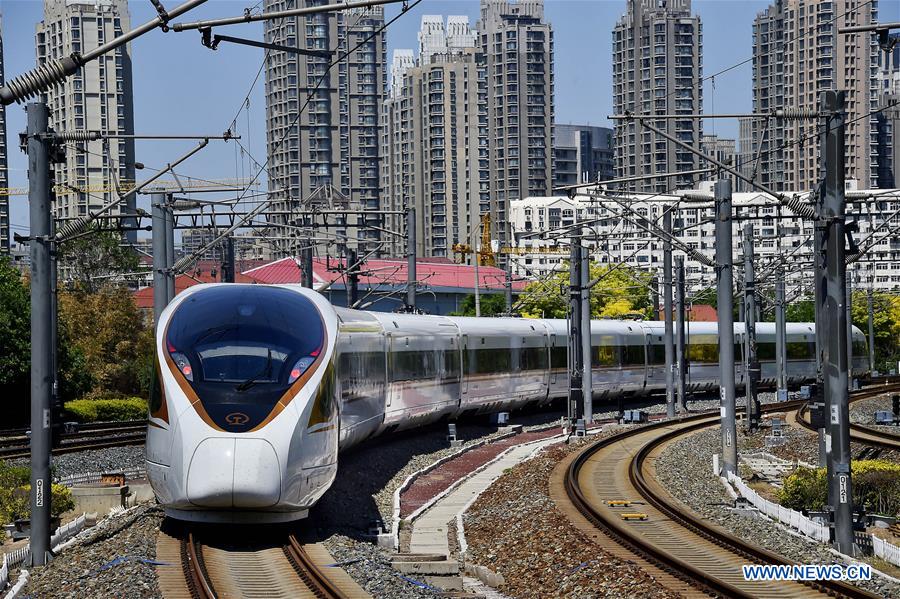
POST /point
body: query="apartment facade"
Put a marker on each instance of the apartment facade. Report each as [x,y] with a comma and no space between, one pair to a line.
[777,235]
[5,231]
[434,145]
[330,147]
[657,69]
[516,46]
[581,153]
[98,97]
[797,54]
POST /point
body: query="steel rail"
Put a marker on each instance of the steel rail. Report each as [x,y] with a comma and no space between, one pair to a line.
[645,548]
[312,576]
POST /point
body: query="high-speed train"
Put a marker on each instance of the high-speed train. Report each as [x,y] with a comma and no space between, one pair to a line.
[259,387]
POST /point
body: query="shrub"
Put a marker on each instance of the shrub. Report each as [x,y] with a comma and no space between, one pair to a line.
[94,410]
[15,503]
[804,489]
[876,485]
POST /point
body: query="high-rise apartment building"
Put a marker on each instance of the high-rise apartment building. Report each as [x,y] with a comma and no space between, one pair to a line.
[657,69]
[888,122]
[517,53]
[434,141]
[797,54]
[745,157]
[329,147]
[98,97]
[722,149]
[767,135]
[5,231]
[581,153]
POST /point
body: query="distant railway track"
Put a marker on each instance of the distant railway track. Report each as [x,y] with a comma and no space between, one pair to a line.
[279,568]
[860,433]
[658,529]
[94,436]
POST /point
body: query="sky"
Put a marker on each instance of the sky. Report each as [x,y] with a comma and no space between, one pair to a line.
[181,87]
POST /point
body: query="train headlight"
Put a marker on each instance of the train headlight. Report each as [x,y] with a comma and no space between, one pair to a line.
[300,367]
[184,366]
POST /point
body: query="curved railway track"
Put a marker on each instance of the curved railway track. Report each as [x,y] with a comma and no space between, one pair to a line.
[658,529]
[284,568]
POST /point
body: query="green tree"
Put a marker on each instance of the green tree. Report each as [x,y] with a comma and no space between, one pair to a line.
[109,331]
[492,304]
[621,291]
[92,260]
[799,311]
[15,339]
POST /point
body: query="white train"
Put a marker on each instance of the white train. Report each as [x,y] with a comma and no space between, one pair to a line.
[259,387]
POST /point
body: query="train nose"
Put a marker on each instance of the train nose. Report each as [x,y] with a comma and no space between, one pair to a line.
[234,473]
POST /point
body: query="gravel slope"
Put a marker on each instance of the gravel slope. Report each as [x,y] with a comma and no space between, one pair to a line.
[515,530]
[685,468]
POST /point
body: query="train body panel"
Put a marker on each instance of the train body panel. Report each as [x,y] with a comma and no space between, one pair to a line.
[258,387]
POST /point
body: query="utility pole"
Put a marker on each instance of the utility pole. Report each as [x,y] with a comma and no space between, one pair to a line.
[159,242]
[587,379]
[667,308]
[169,225]
[780,335]
[477,256]
[42,377]
[306,264]
[352,278]
[411,259]
[832,213]
[228,262]
[724,285]
[753,372]
[848,306]
[56,418]
[871,311]
[819,408]
[576,347]
[681,346]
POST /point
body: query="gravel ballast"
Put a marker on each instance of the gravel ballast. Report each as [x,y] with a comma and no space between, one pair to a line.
[685,469]
[113,559]
[515,529]
[111,459]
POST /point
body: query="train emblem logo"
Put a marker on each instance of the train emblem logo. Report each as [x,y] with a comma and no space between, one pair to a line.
[237,418]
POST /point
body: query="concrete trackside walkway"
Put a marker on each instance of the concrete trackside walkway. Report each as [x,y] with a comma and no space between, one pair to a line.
[429,533]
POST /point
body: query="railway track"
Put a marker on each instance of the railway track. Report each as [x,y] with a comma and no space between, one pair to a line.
[860,433]
[100,438]
[285,567]
[655,527]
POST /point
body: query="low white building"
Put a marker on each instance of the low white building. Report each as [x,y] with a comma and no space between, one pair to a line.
[614,229]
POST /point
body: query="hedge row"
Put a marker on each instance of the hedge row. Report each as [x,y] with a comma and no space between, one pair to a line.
[94,410]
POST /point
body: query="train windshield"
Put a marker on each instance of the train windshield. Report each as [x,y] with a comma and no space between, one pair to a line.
[242,346]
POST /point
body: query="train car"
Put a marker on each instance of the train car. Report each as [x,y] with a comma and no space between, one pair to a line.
[259,387]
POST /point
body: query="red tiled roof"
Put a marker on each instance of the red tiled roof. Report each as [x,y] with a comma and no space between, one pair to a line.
[697,313]
[430,272]
[143,298]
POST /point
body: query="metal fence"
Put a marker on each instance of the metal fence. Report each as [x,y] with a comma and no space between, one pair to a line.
[86,478]
[786,516]
[20,555]
[886,551]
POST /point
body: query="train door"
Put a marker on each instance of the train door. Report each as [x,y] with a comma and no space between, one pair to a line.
[464,364]
[553,374]
[388,370]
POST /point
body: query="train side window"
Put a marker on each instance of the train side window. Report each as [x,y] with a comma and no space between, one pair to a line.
[492,360]
[765,351]
[657,353]
[801,350]
[633,355]
[450,364]
[605,355]
[559,357]
[860,348]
